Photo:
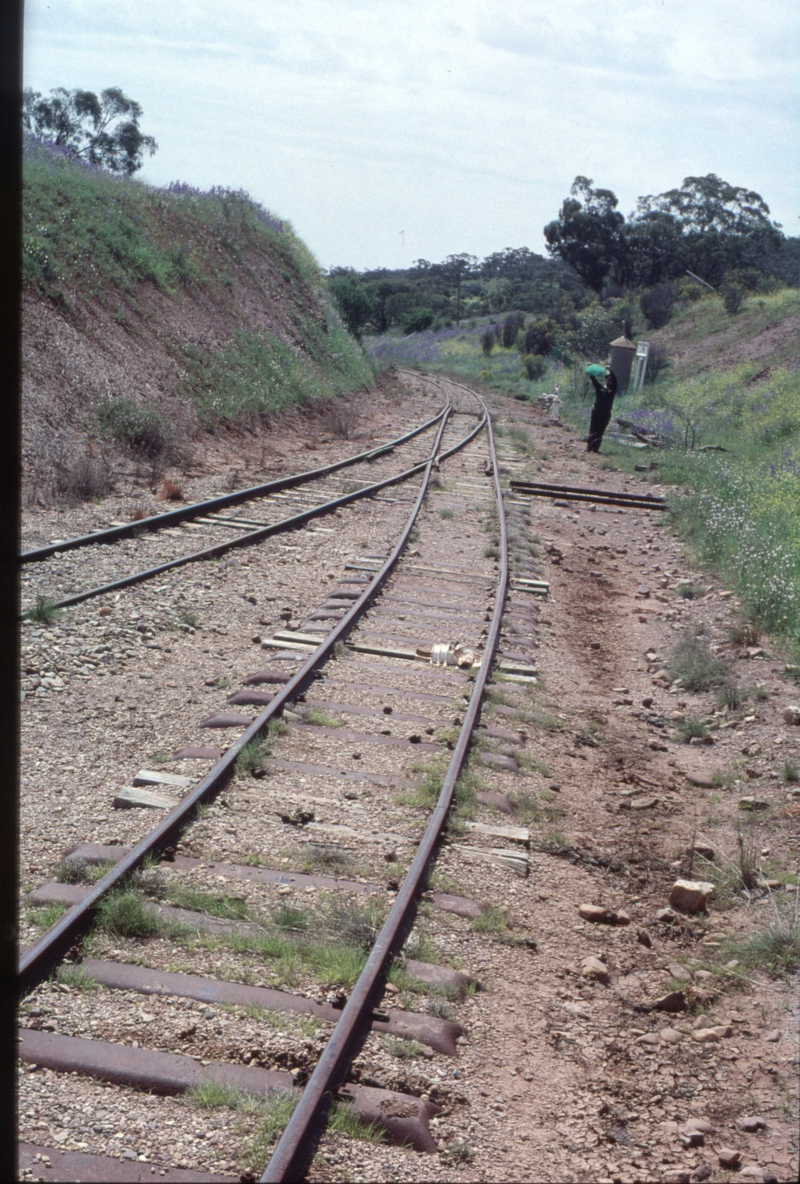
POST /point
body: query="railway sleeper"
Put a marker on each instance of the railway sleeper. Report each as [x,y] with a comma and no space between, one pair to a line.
[404,1117]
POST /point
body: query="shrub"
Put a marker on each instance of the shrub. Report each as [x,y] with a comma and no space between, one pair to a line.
[657,305]
[416,320]
[136,425]
[693,662]
[511,327]
[81,477]
[733,295]
[172,491]
[487,342]
[540,337]
[535,366]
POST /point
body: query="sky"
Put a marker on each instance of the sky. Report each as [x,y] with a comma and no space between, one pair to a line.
[387,131]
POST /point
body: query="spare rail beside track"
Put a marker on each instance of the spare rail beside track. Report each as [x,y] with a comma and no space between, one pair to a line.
[577,493]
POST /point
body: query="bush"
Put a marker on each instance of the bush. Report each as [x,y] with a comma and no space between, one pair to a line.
[487,342]
[139,427]
[698,669]
[597,328]
[535,365]
[80,477]
[657,305]
[417,319]
[511,327]
[540,337]
[733,295]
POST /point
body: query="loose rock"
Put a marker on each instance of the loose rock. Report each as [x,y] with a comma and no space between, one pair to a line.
[728,1157]
[691,896]
[751,1123]
[593,968]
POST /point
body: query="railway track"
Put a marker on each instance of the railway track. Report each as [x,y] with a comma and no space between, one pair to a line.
[223,523]
[355,663]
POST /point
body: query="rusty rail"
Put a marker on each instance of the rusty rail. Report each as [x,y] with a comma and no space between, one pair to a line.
[295,1148]
[197,509]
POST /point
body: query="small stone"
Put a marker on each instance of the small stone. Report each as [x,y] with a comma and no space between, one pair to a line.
[703,975]
[648,1038]
[644,939]
[700,1173]
[704,850]
[728,1157]
[707,1035]
[669,1036]
[751,803]
[773,1036]
[679,972]
[666,916]
[751,1124]
[622,918]
[672,1002]
[676,1176]
[752,1172]
[690,1136]
[700,1124]
[592,967]
[691,896]
[593,912]
[647,701]
[792,715]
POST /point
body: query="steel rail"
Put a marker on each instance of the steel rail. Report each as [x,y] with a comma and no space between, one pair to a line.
[295,1148]
[594,499]
[243,540]
[36,962]
[544,486]
[197,509]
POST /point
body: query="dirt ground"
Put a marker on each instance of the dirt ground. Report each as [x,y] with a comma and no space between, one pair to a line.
[568,1072]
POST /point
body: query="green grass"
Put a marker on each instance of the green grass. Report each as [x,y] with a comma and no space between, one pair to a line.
[693,662]
[407,1050]
[775,949]
[187,617]
[44,612]
[692,727]
[76,978]
[493,921]
[229,908]
[447,513]
[791,770]
[126,913]
[322,719]
[46,915]
[252,757]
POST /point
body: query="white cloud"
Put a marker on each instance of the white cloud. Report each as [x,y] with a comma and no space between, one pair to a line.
[461,123]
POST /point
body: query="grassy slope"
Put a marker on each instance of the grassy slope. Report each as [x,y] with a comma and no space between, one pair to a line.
[733,384]
[734,389]
[202,304]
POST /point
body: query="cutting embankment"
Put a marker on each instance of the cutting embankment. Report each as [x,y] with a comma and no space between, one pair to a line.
[155,321]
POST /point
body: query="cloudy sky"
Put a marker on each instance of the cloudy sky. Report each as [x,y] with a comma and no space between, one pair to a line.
[392,130]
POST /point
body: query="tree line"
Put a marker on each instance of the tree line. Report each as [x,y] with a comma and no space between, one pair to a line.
[707,233]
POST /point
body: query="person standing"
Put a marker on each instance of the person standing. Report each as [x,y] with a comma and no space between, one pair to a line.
[603,402]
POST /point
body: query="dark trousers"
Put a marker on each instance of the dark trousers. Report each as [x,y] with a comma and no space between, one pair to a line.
[601,416]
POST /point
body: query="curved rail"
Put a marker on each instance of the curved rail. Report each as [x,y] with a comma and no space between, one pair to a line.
[197,509]
[37,962]
[295,1148]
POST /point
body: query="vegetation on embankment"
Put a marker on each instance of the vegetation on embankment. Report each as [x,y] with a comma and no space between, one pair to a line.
[730,442]
[152,316]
